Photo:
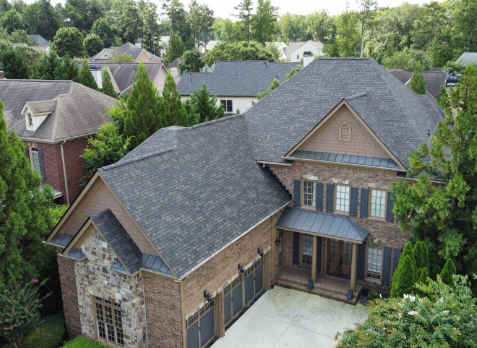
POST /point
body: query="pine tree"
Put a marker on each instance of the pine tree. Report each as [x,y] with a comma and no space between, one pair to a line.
[67,69]
[407,277]
[13,65]
[172,109]
[175,48]
[108,88]
[205,105]
[421,255]
[435,271]
[418,83]
[142,118]
[85,77]
[422,275]
[448,271]
[46,66]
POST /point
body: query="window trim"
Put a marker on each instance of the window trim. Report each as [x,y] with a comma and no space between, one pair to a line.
[340,131]
[301,251]
[335,191]
[32,162]
[374,246]
[225,106]
[302,194]
[370,189]
[101,301]
[30,124]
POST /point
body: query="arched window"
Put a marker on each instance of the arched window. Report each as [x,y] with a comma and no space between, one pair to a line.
[345,131]
[30,120]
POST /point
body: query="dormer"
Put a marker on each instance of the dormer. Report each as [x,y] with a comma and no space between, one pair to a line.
[36,113]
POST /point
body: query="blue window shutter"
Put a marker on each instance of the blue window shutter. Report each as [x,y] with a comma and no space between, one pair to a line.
[296,193]
[42,165]
[318,258]
[330,191]
[364,203]
[319,196]
[389,210]
[296,248]
[397,255]
[386,266]
[353,209]
[361,260]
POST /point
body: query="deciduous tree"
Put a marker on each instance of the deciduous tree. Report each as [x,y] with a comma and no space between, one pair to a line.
[264,22]
[103,30]
[245,15]
[274,85]
[93,44]
[13,64]
[192,62]
[69,41]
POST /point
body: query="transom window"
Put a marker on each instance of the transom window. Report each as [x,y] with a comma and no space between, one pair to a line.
[378,203]
[342,198]
[35,160]
[309,197]
[30,120]
[109,323]
[306,249]
[375,256]
[227,104]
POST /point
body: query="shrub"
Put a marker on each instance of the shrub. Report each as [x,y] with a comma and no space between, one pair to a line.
[373,295]
[448,271]
[84,342]
[47,335]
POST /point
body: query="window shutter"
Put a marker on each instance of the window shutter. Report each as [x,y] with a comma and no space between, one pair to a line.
[296,193]
[330,191]
[296,248]
[389,210]
[319,196]
[27,153]
[318,256]
[386,266]
[397,256]
[361,260]
[42,165]
[353,209]
[364,203]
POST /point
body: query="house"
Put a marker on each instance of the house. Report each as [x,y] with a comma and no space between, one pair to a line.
[467,57]
[434,79]
[40,40]
[138,54]
[281,47]
[294,51]
[54,119]
[191,226]
[123,75]
[235,83]
[173,67]
[209,46]
[41,49]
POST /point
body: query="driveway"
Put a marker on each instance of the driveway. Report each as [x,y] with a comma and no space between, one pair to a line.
[293,319]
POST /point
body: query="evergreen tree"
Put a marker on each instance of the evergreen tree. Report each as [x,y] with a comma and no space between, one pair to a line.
[421,255]
[45,68]
[205,105]
[418,83]
[192,62]
[422,275]
[93,44]
[175,48]
[292,72]
[442,96]
[172,109]
[435,270]
[142,118]
[273,86]
[14,66]
[407,277]
[108,88]
[448,271]
[67,69]
[245,15]
[85,77]
[193,116]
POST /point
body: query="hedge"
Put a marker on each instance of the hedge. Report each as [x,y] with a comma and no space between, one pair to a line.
[83,342]
[48,335]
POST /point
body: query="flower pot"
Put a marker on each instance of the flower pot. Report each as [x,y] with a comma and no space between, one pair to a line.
[349,295]
[310,285]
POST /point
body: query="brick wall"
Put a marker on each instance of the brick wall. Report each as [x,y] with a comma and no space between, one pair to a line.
[69,293]
[144,57]
[74,165]
[163,311]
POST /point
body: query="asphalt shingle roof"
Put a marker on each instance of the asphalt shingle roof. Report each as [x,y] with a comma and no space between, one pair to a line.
[434,79]
[467,57]
[245,78]
[40,40]
[128,48]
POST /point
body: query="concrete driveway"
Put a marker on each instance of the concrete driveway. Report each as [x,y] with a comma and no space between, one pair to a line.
[293,319]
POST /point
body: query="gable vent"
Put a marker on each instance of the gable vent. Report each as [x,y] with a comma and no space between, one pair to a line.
[345,131]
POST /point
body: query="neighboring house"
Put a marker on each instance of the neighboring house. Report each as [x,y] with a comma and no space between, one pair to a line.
[209,46]
[434,79]
[282,48]
[467,57]
[137,53]
[54,119]
[235,83]
[184,232]
[40,40]
[173,67]
[42,49]
[295,50]
[123,75]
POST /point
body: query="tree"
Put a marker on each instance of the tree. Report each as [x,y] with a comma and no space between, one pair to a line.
[406,273]
[201,19]
[118,57]
[274,85]
[205,106]
[150,26]
[142,116]
[30,55]
[173,111]
[320,26]
[108,88]
[192,62]
[347,36]
[46,66]
[69,41]
[292,72]
[365,10]
[237,51]
[445,215]
[421,255]
[93,44]
[448,271]
[11,21]
[177,15]
[67,69]
[21,36]
[123,17]
[245,9]
[103,30]
[441,96]
[175,48]
[85,77]
[13,65]
[264,22]
[442,317]
[41,18]
[293,27]
[422,275]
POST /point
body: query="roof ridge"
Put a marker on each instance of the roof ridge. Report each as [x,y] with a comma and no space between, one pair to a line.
[58,107]
[93,92]
[208,123]
[135,159]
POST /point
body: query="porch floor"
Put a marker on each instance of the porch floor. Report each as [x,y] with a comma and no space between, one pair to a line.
[326,285]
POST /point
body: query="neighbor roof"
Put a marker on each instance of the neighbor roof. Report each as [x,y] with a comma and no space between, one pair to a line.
[467,57]
[40,40]
[76,110]
[293,46]
[245,78]
[127,48]
[434,79]
[398,117]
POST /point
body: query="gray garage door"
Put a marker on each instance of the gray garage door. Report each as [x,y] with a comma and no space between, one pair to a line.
[200,327]
[258,276]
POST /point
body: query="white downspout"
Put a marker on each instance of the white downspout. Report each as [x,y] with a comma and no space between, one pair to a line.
[64,173]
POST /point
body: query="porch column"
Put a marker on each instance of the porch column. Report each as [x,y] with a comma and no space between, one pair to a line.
[314,258]
[354,266]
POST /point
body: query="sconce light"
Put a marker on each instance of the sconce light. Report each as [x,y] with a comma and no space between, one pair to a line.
[135,338]
[207,296]
[261,252]
[241,268]
[278,242]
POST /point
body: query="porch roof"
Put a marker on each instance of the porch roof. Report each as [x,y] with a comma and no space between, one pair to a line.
[324,224]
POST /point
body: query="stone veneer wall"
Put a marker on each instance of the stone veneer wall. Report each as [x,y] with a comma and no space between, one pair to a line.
[94,277]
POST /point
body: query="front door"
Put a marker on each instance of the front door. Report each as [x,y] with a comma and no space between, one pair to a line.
[339,257]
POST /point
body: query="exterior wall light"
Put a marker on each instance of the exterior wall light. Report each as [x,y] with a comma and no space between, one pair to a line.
[261,252]
[207,296]
[241,268]
[278,242]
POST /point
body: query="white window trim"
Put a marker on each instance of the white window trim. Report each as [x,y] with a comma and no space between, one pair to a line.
[370,204]
[34,150]
[335,200]
[379,247]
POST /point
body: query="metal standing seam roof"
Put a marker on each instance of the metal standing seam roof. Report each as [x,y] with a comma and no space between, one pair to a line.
[347,159]
[62,239]
[322,223]
[76,254]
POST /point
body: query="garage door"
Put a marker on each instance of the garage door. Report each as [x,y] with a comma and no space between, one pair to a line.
[201,326]
[258,279]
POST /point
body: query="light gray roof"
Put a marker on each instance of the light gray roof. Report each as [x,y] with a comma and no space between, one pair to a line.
[322,223]
[70,118]
[399,117]
[40,40]
[207,189]
[467,57]
[128,48]
[245,78]
[434,79]
[293,46]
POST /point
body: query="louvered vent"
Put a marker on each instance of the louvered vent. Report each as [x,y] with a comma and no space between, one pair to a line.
[345,131]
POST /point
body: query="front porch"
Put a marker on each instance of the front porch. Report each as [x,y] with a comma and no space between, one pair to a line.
[325,285]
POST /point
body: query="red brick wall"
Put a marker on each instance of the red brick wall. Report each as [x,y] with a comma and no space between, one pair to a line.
[74,165]
[69,293]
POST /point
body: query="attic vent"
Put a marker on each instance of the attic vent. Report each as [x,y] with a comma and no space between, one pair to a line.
[345,131]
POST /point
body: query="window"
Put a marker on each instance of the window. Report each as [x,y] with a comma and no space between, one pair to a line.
[30,121]
[375,255]
[297,56]
[342,198]
[306,249]
[378,203]
[109,321]
[227,104]
[174,72]
[345,131]
[35,160]
[309,197]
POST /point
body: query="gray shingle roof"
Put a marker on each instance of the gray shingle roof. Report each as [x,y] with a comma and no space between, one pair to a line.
[245,78]
[467,57]
[399,117]
[434,79]
[40,40]
[203,190]
[128,48]
[322,223]
[70,117]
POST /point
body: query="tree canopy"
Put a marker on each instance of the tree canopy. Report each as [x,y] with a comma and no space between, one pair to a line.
[192,62]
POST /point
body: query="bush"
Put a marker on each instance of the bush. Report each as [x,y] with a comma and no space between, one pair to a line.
[83,342]
[47,335]
[373,295]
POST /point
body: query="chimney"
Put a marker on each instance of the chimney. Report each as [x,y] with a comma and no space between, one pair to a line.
[307,58]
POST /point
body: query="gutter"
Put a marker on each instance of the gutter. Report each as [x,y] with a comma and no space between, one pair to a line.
[64,172]
[47,141]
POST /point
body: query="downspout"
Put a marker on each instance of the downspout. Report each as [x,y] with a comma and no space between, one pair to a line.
[64,172]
